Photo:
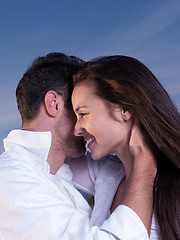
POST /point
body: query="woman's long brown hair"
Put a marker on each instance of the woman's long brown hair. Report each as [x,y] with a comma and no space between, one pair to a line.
[126,81]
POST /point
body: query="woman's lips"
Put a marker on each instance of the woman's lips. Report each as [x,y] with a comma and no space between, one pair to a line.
[89,142]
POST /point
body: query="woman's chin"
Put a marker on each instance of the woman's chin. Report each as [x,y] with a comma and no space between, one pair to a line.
[96,156]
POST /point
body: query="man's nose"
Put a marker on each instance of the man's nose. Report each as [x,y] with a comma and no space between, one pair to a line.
[78,129]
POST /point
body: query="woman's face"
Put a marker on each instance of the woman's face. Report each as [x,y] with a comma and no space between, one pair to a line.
[100,123]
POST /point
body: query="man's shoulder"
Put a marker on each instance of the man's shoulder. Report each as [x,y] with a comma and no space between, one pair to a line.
[16,164]
[8,158]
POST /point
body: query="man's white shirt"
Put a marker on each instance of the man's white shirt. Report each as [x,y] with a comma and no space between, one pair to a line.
[35,204]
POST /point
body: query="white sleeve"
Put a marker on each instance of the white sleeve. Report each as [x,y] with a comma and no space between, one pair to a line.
[81,175]
[33,208]
[100,178]
[106,176]
[57,220]
[86,170]
[125,224]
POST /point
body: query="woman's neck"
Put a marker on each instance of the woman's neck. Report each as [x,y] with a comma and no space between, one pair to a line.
[127,159]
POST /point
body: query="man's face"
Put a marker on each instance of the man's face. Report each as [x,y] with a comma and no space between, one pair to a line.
[71,146]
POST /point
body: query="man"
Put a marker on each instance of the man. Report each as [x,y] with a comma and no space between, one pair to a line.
[38,199]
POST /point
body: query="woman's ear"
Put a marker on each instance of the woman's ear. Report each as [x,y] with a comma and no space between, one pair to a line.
[120,114]
[126,115]
[53,103]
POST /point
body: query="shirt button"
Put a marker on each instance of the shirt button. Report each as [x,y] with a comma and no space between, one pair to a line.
[45,168]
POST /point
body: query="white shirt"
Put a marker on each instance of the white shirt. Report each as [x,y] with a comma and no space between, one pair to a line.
[105,176]
[39,206]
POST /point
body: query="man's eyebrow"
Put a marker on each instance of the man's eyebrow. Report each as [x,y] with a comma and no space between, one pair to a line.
[78,108]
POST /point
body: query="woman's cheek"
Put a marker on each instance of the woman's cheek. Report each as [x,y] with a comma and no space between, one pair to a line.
[88,127]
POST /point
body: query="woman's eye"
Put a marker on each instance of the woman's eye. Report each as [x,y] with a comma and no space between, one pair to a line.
[82,114]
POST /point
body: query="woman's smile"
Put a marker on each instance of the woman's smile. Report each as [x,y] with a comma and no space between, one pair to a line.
[100,123]
[90,142]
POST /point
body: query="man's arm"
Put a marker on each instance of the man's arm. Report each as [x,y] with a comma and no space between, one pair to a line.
[138,189]
[39,209]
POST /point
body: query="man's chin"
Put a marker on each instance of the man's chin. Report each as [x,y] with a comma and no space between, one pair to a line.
[78,152]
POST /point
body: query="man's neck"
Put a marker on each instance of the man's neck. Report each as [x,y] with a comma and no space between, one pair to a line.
[56,156]
[55,159]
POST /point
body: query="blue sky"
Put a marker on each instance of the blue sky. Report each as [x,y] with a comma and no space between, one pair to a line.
[146,30]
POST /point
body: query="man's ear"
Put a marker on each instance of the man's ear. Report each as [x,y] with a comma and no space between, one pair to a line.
[53,103]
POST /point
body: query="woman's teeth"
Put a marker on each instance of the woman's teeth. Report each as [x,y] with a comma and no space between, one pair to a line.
[90,140]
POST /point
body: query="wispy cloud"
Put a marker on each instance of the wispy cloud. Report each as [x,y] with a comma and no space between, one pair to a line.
[157,21]
[117,41]
[161,58]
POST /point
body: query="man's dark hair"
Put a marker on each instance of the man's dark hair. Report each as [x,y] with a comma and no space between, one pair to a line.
[52,72]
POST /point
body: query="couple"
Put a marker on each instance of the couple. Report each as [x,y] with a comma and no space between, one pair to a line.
[121,110]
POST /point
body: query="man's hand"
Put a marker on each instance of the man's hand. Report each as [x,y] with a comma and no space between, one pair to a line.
[139,190]
[141,148]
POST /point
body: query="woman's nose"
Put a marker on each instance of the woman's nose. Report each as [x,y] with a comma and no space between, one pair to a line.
[78,129]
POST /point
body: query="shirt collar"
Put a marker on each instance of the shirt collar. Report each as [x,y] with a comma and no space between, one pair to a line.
[37,143]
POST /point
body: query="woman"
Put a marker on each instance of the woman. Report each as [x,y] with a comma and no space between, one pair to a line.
[109,94]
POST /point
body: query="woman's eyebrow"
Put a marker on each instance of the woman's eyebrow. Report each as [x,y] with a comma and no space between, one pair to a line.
[79,107]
